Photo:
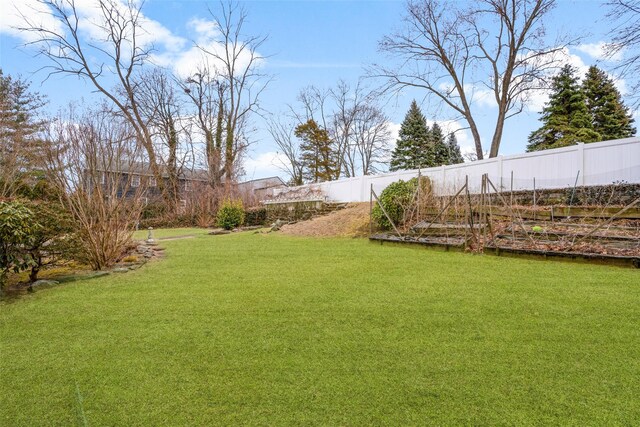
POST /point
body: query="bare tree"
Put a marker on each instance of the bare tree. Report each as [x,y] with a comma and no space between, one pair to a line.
[289,146]
[237,62]
[314,103]
[444,47]
[119,53]
[626,41]
[90,164]
[207,95]
[357,127]
[347,103]
[372,137]
[161,105]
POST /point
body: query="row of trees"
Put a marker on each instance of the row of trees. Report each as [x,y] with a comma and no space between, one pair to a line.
[499,51]
[67,182]
[73,187]
[179,122]
[419,146]
[457,51]
[588,112]
[333,133]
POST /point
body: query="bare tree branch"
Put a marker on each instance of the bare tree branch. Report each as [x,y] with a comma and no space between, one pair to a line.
[445,49]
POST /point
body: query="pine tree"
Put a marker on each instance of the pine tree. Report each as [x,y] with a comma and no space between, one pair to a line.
[610,117]
[438,146]
[455,156]
[412,146]
[21,145]
[318,156]
[565,117]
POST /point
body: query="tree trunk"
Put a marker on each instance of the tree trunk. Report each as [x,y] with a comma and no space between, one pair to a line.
[497,135]
[476,137]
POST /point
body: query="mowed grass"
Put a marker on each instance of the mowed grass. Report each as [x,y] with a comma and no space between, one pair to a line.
[251,329]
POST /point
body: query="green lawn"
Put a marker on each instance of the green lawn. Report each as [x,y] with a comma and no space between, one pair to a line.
[169,232]
[275,330]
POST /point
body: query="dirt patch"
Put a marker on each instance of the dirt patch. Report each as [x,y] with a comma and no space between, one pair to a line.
[352,221]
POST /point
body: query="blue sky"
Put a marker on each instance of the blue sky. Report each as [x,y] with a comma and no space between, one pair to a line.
[314,43]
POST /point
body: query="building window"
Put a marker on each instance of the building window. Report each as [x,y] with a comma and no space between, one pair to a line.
[135,181]
[103,178]
[187,186]
[152,182]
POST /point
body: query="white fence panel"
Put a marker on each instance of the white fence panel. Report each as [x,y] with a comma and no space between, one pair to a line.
[599,163]
[612,161]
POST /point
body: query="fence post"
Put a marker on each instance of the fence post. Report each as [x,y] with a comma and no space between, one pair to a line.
[581,162]
[500,172]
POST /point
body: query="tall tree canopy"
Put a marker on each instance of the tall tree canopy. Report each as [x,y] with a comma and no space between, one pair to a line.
[412,149]
[438,146]
[565,117]
[319,159]
[609,116]
[455,156]
[453,50]
[20,126]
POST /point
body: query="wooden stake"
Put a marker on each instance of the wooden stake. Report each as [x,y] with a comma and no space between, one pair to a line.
[385,213]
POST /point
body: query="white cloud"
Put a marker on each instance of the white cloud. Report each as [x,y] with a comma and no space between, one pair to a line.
[264,165]
[187,61]
[394,131]
[205,29]
[479,94]
[598,51]
[91,23]
[171,50]
[14,12]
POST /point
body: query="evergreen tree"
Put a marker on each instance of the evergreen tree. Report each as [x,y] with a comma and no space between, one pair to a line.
[21,145]
[318,157]
[412,147]
[610,117]
[565,117]
[438,146]
[455,156]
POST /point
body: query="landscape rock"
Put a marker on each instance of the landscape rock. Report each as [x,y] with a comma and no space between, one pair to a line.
[219,232]
[277,225]
[43,282]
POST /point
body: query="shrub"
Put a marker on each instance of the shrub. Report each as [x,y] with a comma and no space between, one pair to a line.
[231,214]
[54,240]
[153,210]
[256,216]
[17,232]
[396,199]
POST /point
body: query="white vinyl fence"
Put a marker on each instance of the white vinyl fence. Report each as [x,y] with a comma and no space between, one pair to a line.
[599,163]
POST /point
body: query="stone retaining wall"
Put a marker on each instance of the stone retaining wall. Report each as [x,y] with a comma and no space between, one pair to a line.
[299,210]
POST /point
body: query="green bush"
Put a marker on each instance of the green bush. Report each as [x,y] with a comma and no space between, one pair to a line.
[153,211]
[256,216]
[231,214]
[395,199]
[18,228]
